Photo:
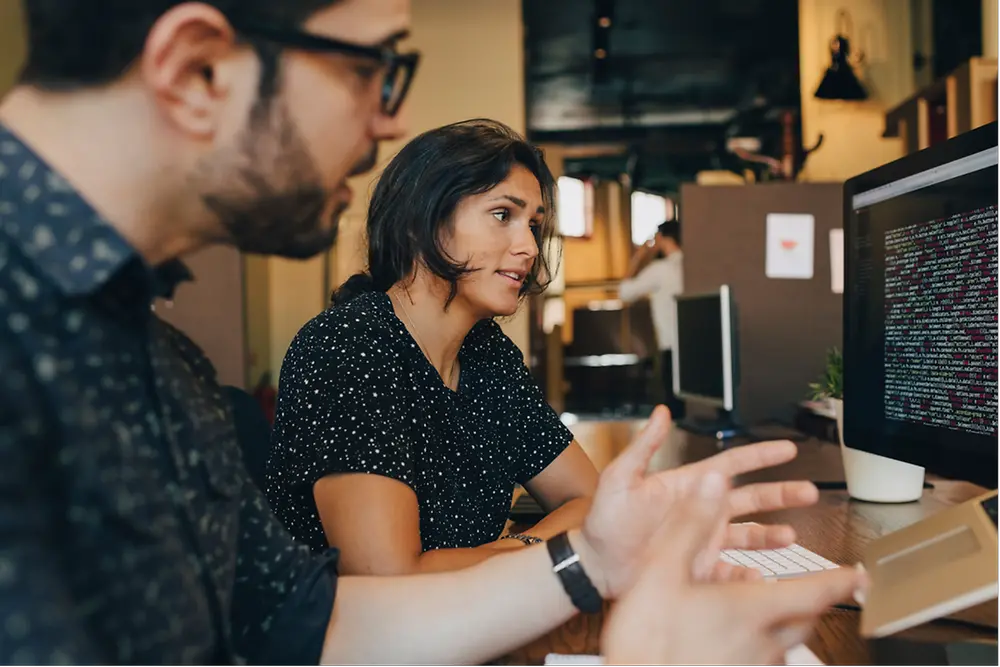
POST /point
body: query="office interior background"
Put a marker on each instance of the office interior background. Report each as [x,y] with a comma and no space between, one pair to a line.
[647,110]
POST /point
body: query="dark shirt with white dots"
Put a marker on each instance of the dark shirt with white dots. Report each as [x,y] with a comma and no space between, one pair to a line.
[129,530]
[358,396]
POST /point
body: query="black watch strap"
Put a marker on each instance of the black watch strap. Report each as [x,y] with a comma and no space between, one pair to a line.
[566,564]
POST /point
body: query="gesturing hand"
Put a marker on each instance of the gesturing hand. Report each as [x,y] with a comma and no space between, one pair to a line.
[629,505]
[668,617]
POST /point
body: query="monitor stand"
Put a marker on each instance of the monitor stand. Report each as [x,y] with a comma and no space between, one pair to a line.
[874,478]
[725,426]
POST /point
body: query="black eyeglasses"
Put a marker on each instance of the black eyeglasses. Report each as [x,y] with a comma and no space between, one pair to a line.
[399,67]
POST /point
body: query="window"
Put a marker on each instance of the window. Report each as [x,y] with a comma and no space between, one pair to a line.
[575,206]
[648,211]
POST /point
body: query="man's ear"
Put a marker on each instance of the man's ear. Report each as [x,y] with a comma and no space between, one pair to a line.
[183,63]
[13,43]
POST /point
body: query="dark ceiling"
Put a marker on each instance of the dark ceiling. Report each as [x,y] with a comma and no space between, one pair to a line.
[662,78]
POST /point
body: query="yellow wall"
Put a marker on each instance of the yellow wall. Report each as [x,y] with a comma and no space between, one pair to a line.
[11,42]
[472,65]
[990,28]
[852,131]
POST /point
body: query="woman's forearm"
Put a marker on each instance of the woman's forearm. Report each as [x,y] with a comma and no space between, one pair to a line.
[464,617]
[568,516]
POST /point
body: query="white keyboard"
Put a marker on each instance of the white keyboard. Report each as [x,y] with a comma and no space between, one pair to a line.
[792,561]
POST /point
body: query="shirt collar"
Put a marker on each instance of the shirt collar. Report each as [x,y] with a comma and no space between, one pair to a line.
[69,242]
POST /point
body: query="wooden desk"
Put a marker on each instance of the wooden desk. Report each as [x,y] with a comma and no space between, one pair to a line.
[837,528]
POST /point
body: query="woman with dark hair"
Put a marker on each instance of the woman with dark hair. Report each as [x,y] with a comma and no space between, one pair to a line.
[405,415]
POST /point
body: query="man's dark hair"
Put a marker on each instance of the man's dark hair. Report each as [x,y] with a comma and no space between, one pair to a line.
[670,229]
[417,194]
[85,43]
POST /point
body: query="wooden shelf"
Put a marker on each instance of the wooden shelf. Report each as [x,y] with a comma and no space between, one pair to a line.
[961,101]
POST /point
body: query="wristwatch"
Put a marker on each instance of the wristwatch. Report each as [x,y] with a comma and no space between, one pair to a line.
[567,566]
[526,540]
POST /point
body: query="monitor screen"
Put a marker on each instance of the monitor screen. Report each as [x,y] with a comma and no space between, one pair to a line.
[920,336]
[703,351]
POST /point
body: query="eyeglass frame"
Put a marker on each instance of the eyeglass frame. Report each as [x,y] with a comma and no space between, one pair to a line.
[391,59]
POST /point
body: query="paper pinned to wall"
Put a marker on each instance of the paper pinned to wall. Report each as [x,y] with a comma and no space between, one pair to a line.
[837,260]
[790,241]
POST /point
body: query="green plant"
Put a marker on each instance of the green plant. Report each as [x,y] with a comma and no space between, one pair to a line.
[831,383]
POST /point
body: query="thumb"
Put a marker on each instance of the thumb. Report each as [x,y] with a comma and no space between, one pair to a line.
[689,527]
[633,462]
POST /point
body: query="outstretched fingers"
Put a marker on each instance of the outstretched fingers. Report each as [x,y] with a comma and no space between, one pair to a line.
[755,536]
[772,496]
[632,464]
[748,458]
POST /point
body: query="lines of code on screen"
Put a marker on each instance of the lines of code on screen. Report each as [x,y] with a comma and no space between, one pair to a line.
[941,323]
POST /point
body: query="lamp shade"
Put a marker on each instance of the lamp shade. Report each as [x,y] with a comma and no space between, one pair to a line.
[840,82]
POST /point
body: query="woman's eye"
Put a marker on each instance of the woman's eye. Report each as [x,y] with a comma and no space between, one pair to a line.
[502,215]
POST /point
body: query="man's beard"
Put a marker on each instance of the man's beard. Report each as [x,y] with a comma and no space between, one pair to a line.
[267,192]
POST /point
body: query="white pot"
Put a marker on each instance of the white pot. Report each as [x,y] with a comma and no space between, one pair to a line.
[875,478]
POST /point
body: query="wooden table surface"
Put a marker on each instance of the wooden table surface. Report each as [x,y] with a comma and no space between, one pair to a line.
[837,528]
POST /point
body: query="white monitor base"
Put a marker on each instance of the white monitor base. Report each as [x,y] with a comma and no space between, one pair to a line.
[875,478]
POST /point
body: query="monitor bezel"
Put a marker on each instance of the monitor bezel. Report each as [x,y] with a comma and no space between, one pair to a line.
[977,466]
[726,401]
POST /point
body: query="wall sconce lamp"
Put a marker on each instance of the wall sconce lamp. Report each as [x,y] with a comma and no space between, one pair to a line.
[840,82]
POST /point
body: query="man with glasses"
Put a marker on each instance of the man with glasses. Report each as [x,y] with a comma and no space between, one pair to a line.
[140,131]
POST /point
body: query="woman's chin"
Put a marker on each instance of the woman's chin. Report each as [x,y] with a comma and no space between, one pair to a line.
[500,308]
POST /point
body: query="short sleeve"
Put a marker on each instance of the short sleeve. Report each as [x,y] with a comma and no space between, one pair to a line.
[534,428]
[339,405]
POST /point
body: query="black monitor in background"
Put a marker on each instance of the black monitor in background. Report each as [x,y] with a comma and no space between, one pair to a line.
[705,359]
[920,309]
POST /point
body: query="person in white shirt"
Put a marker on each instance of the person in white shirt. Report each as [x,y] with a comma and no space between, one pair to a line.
[656,271]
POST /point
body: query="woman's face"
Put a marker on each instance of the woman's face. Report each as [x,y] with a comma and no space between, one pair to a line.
[495,233]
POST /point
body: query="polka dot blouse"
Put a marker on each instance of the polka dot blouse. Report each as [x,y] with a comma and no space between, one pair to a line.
[358,396]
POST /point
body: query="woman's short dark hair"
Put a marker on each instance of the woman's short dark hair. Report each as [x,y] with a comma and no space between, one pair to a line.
[416,196]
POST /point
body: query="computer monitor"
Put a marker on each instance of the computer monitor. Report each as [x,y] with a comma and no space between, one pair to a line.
[705,356]
[920,309]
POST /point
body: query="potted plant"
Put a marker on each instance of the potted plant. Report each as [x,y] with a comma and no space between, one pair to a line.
[869,476]
[830,386]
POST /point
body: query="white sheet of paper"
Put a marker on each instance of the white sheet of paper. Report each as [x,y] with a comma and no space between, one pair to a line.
[798,655]
[837,260]
[790,241]
[564,659]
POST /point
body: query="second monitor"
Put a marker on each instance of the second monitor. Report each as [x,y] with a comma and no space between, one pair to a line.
[706,364]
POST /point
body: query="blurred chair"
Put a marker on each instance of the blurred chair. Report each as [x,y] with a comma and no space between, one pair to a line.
[253,432]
